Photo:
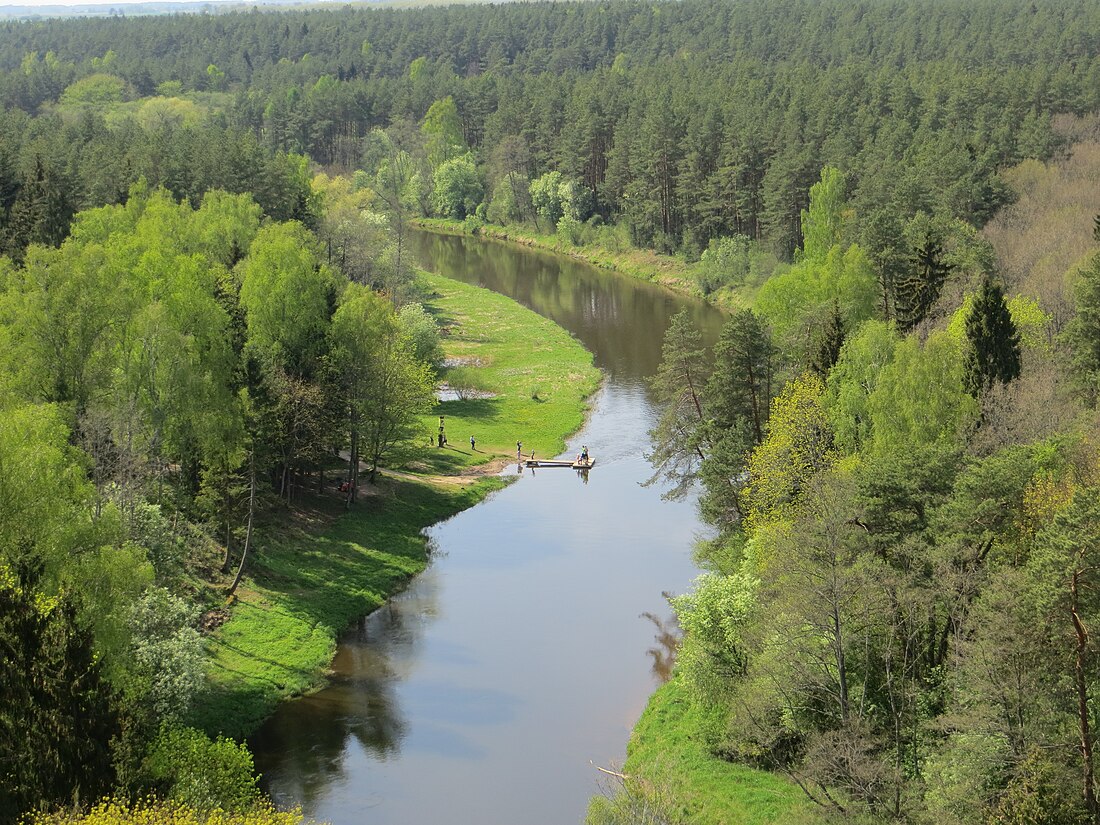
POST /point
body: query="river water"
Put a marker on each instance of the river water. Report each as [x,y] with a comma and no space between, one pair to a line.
[486,693]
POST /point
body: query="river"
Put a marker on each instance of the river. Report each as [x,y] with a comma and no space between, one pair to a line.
[486,693]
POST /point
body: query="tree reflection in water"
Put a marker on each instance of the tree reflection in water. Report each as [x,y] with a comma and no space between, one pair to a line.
[360,703]
[667,639]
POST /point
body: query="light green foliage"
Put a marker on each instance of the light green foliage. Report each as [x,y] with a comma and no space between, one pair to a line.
[111,579]
[546,196]
[555,196]
[203,774]
[724,261]
[798,300]
[797,446]
[97,89]
[920,399]
[827,276]
[44,494]
[357,237]
[1032,322]
[504,206]
[170,88]
[224,226]
[823,223]
[387,387]
[158,114]
[442,131]
[713,617]
[458,189]
[215,78]
[125,317]
[286,293]
[735,261]
[853,379]
[965,775]
[421,335]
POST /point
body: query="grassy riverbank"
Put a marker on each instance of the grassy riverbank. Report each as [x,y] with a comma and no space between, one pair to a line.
[644,264]
[667,749]
[317,567]
[520,376]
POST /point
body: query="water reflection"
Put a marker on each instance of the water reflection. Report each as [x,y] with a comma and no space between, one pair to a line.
[621,320]
[526,652]
[667,643]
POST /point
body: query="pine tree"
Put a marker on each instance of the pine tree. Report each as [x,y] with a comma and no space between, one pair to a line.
[679,437]
[993,343]
[737,400]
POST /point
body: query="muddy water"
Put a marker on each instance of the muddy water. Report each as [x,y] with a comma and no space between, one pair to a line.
[486,693]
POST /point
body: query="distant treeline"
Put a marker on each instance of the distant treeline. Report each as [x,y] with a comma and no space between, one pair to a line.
[687,121]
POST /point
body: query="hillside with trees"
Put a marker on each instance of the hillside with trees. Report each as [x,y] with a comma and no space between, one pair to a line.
[897,612]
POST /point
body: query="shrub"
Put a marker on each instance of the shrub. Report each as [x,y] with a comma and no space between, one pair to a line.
[203,774]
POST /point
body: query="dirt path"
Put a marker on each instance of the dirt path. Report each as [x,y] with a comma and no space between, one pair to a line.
[468,476]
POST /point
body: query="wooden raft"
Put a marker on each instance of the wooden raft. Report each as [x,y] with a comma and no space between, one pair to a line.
[576,465]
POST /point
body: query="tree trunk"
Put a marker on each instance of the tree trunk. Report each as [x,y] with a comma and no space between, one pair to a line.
[248,532]
[228,536]
[353,470]
[1087,769]
[841,664]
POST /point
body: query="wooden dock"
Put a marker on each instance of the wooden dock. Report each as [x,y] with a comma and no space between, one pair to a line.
[576,465]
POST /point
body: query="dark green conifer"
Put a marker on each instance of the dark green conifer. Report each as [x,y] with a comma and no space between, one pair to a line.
[993,343]
[917,291]
[832,339]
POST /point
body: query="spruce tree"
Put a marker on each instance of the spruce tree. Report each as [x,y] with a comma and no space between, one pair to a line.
[918,290]
[832,339]
[993,343]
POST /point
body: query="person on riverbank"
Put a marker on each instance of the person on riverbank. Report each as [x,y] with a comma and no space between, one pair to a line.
[519,450]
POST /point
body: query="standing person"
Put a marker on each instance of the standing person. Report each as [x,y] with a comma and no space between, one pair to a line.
[473,448]
[519,450]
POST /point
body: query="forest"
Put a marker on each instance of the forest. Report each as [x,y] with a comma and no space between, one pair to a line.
[206,300]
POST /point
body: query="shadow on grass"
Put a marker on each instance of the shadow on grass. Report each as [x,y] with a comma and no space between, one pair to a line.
[483,410]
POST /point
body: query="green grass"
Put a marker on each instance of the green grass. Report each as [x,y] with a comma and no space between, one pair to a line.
[316,567]
[539,377]
[667,748]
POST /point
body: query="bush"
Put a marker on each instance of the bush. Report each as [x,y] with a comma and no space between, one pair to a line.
[420,333]
[203,774]
[571,231]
